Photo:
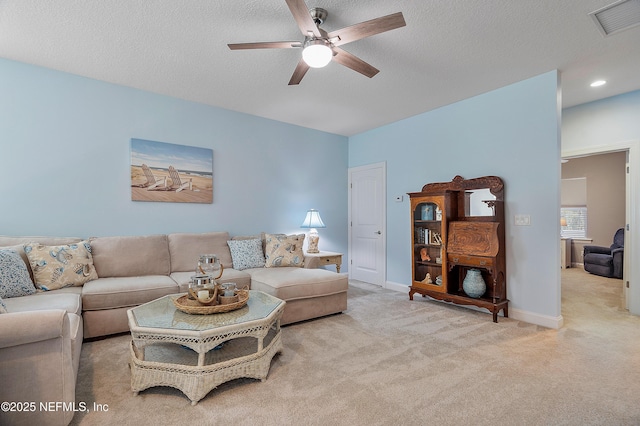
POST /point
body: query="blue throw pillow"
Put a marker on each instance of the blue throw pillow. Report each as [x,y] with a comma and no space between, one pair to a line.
[246,254]
[14,276]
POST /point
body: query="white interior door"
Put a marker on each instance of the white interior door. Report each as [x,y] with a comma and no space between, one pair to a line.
[367,219]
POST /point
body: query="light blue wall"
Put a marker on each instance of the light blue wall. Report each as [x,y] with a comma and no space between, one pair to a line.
[600,123]
[512,132]
[64,163]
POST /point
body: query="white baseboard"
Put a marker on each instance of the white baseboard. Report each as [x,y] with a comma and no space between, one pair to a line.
[390,285]
[516,314]
[537,319]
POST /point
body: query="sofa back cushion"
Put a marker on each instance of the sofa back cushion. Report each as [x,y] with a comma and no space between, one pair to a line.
[131,256]
[186,248]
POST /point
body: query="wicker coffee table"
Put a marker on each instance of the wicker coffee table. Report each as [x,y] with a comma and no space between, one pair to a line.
[196,353]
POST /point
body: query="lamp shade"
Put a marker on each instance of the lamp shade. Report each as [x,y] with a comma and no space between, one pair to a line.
[313,220]
[563,221]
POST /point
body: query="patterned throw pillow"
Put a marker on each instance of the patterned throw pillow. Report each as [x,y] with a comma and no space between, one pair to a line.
[56,267]
[246,254]
[14,276]
[284,250]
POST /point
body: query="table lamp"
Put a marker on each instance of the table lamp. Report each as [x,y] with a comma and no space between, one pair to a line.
[313,221]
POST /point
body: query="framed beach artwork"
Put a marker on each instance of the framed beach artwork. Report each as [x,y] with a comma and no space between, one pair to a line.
[171,173]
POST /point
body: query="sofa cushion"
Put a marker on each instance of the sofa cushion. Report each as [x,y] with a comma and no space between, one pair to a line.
[284,250]
[69,301]
[131,256]
[60,266]
[119,292]
[229,275]
[246,254]
[186,249]
[297,283]
[14,276]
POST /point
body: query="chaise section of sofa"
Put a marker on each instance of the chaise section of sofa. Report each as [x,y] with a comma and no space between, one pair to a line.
[309,293]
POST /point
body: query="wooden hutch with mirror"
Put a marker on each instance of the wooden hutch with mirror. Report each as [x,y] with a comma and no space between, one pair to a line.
[458,229]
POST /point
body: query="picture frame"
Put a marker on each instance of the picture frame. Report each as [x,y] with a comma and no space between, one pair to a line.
[166,172]
[427,212]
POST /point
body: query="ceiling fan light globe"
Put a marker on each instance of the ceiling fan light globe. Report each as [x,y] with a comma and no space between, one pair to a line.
[317,55]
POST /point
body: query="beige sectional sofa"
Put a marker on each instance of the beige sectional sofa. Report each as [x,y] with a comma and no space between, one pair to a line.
[41,334]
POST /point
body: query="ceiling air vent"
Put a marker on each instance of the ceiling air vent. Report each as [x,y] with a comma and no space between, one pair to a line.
[617,17]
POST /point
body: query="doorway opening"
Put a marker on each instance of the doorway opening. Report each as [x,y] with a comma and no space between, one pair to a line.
[632,214]
[593,208]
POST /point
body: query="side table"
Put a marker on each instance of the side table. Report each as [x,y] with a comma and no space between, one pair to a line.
[327,258]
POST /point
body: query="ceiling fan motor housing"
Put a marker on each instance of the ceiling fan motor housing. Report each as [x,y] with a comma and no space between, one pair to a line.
[318,15]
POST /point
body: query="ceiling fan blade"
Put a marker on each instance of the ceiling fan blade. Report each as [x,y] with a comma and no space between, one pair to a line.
[351,61]
[301,14]
[367,28]
[299,72]
[265,45]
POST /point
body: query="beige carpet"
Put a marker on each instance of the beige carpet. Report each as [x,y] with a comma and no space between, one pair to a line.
[387,360]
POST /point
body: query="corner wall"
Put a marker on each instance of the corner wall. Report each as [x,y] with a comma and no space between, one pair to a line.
[64,160]
[512,132]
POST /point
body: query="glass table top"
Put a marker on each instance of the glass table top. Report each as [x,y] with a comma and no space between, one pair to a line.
[162,313]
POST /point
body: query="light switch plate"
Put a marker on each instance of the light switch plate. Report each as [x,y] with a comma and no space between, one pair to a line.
[522,220]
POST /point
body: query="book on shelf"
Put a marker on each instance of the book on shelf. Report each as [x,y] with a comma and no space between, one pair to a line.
[426,236]
[422,235]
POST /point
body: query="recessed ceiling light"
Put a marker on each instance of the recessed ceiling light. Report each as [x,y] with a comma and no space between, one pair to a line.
[598,83]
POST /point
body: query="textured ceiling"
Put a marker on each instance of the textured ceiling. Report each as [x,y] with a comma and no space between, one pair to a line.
[449,51]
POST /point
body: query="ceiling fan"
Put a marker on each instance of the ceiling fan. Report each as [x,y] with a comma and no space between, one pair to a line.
[320,47]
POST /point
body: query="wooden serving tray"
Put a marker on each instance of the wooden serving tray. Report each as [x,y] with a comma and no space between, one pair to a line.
[189,306]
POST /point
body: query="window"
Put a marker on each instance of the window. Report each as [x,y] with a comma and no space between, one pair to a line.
[576,219]
[573,208]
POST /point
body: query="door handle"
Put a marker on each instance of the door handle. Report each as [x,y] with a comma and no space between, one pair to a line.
[378,232]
